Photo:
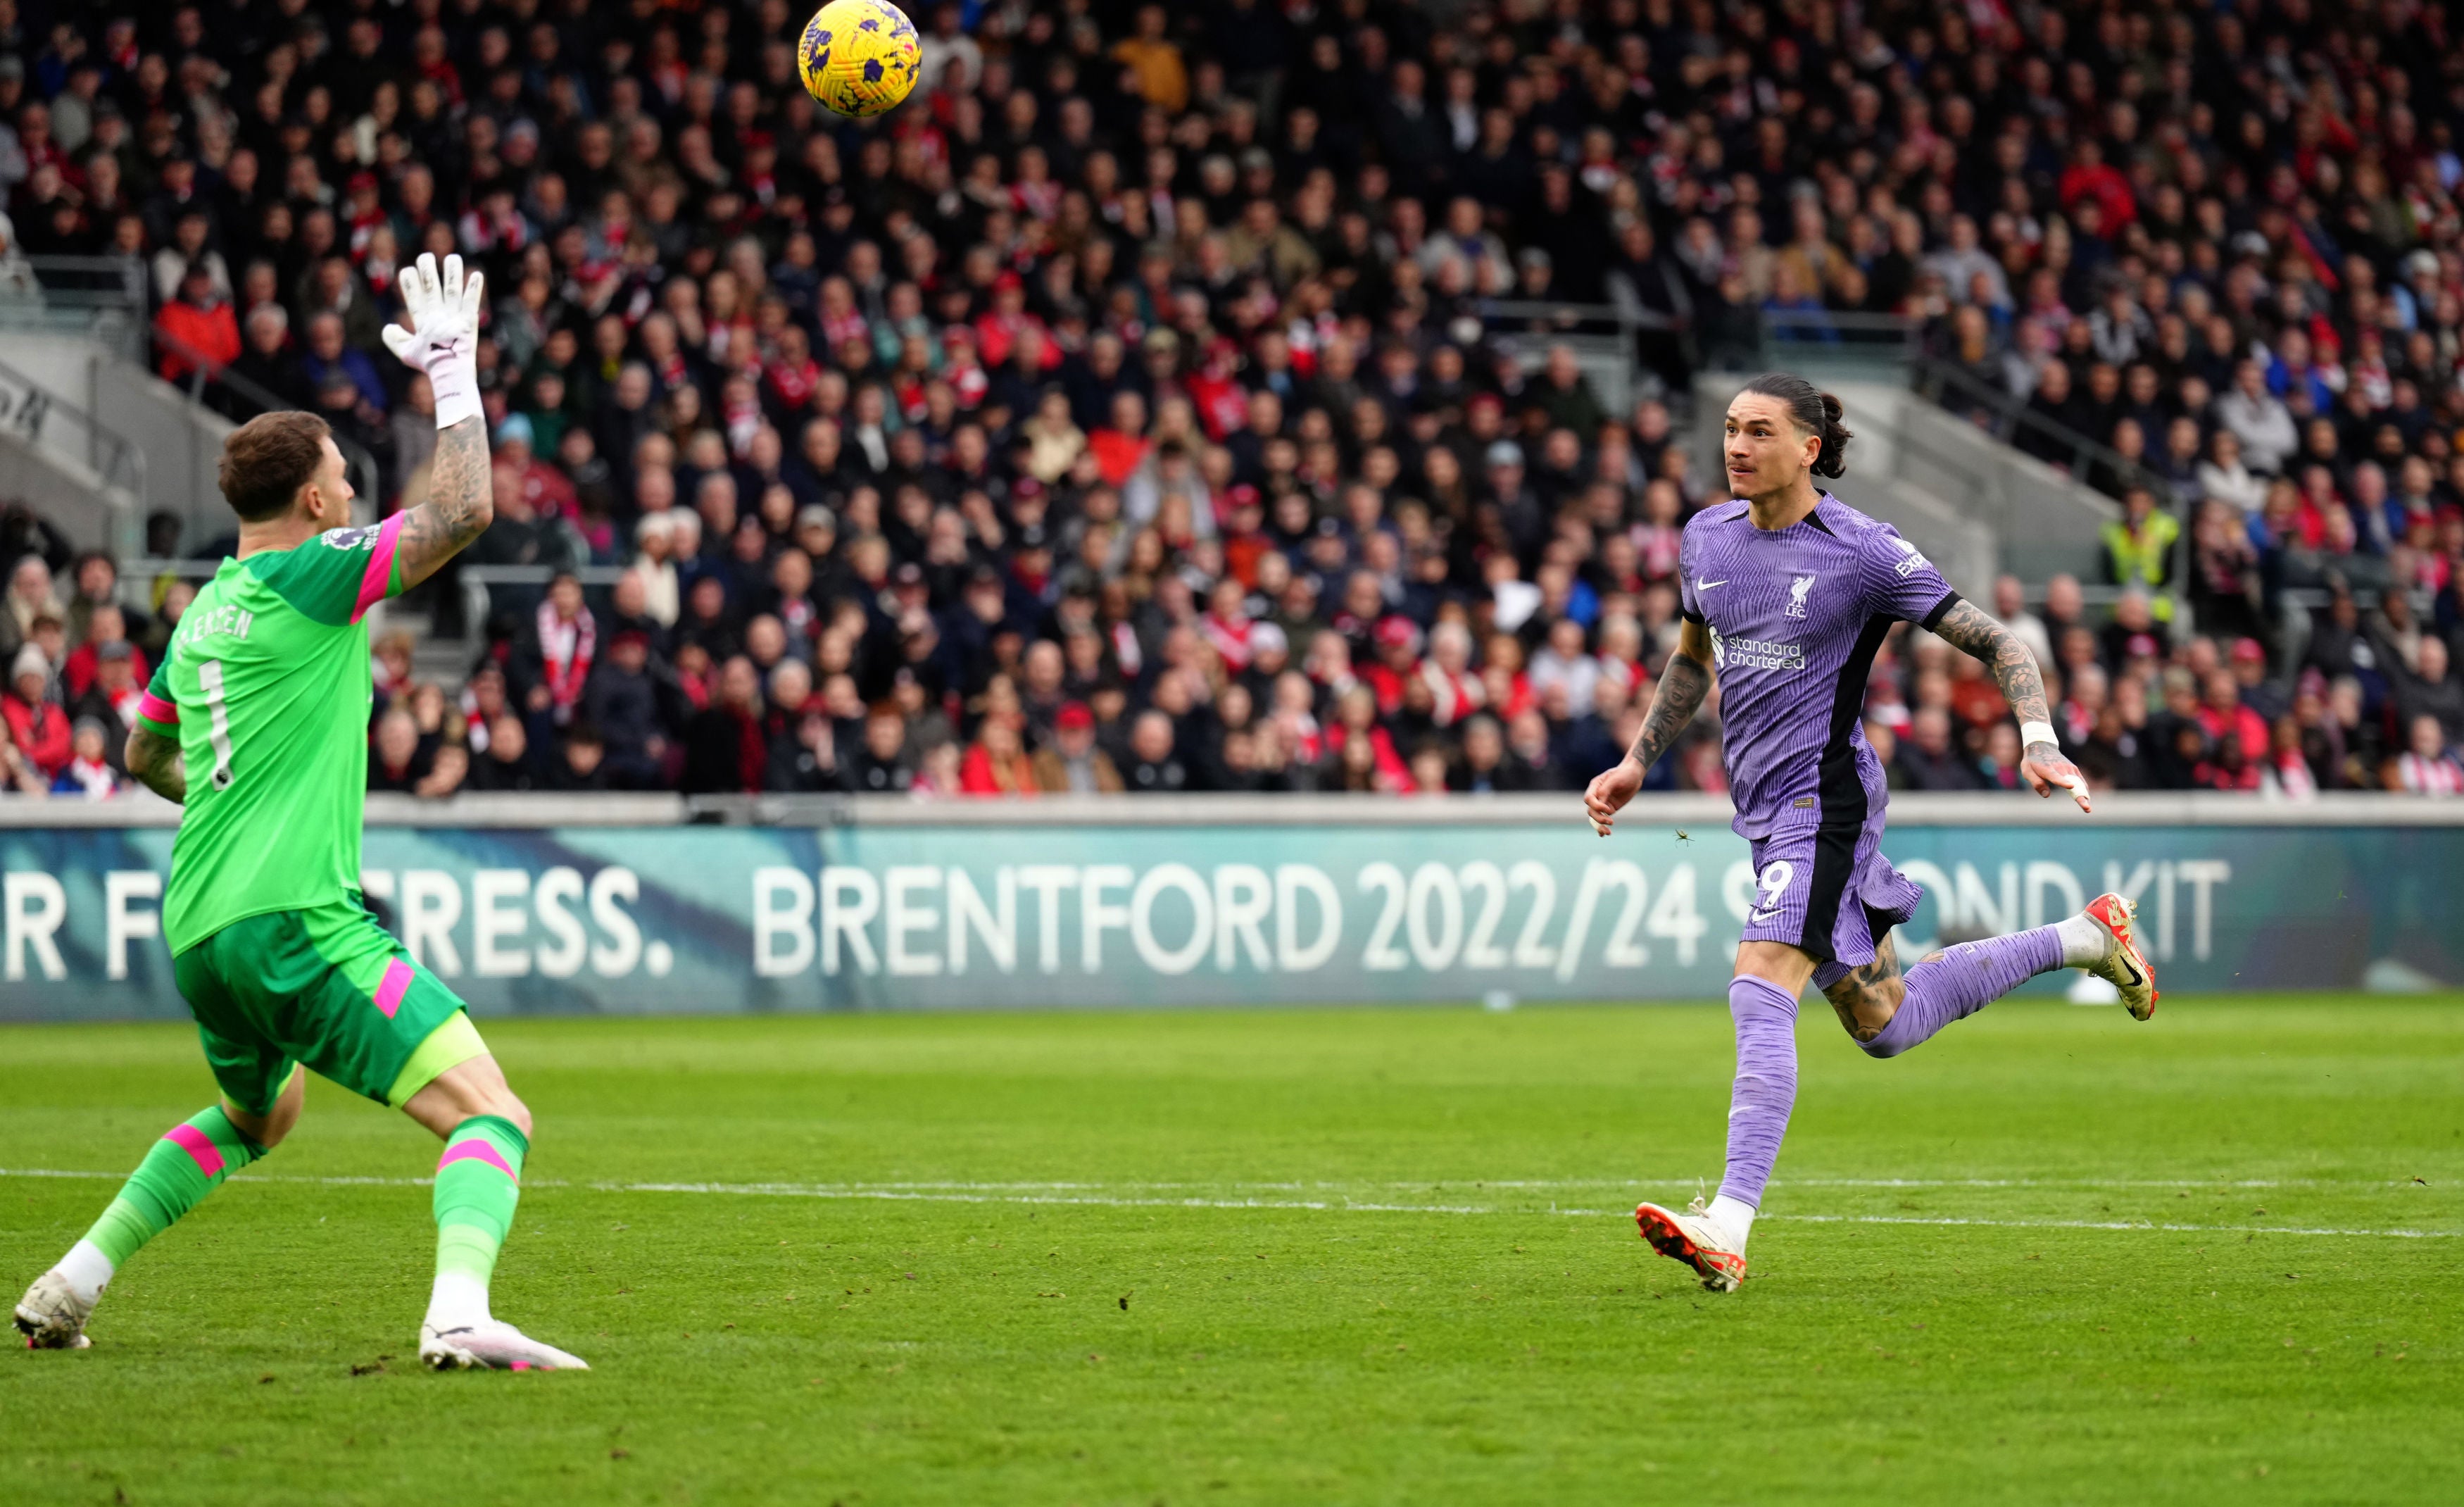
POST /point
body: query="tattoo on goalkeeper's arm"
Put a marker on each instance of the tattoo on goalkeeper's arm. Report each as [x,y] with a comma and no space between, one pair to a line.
[156,763]
[1967,627]
[460,505]
[1683,683]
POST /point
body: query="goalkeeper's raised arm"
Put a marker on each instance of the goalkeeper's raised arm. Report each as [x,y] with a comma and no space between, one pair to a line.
[443,340]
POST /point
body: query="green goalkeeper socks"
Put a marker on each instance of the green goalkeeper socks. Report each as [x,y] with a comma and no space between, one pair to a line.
[190,1161]
[478,1183]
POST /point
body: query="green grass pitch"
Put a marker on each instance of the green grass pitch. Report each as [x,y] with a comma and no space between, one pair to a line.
[1295,1256]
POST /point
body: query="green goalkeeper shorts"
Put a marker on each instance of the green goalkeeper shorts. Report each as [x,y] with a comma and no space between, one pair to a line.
[327,987]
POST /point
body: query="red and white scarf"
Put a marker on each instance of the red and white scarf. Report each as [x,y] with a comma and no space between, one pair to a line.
[1456,696]
[2421,776]
[566,648]
[2292,778]
[1126,651]
[91,777]
[1230,638]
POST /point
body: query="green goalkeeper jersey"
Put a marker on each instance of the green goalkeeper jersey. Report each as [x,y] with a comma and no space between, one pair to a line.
[266,685]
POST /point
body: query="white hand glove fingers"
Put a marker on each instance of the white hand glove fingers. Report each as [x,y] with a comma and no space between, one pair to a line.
[415,280]
[452,291]
[402,344]
[470,299]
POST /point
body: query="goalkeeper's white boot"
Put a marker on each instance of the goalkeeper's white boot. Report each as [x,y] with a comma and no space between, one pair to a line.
[52,1316]
[1696,1239]
[490,1345]
[2123,966]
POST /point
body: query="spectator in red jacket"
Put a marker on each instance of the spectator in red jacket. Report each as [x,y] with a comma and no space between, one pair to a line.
[1121,447]
[107,624]
[37,724]
[2089,176]
[997,763]
[2222,711]
[197,326]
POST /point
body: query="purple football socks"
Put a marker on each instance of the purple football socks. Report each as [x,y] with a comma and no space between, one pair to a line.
[1958,983]
[1961,982]
[1765,1087]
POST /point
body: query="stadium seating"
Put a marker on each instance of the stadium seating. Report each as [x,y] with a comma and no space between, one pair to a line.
[1255,398]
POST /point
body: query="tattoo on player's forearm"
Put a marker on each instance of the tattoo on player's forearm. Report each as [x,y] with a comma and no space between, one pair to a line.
[1683,685]
[460,502]
[155,761]
[1967,627]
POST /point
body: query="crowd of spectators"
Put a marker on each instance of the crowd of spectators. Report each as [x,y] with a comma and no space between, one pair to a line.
[1125,412]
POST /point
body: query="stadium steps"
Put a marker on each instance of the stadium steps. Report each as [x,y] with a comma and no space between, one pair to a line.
[1973,503]
[447,661]
[88,479]
[116,418]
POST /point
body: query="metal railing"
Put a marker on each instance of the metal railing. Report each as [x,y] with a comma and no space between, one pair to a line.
[206,375]
[142,579]
[37,415]
[92,282]
[1794,338]
[2310,599]
[478,583]
[1602,336]
[2003,414]
[1790,337]
[99,297]
[243,398]
[150,567]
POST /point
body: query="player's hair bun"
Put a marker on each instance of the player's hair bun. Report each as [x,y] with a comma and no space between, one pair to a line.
[1834,458]
[1813,412]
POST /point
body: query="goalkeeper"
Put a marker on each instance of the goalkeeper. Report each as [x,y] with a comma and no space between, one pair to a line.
[257,725]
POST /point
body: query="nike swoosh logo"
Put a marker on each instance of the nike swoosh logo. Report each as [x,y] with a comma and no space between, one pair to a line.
[2136,977]
[1701,584]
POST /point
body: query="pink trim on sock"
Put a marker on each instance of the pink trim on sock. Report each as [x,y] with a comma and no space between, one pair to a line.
[154,709]
[380,573]
[475,1149]
[391,990]
[199,1146]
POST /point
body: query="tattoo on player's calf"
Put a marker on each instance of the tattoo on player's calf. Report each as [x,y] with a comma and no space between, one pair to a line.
[1867,990]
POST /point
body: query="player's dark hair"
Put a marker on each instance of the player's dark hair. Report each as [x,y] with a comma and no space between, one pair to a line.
[1813,412]
[268,459]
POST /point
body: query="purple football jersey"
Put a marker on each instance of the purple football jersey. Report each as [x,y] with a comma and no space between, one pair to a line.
[1796,616]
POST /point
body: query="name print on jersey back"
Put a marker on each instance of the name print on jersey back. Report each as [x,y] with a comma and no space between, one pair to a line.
[209,621]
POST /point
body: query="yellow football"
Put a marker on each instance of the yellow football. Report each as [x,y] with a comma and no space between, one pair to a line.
[859,58]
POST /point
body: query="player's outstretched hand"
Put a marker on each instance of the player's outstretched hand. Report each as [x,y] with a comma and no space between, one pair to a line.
[1609,793]
[2049,771]
[443,339]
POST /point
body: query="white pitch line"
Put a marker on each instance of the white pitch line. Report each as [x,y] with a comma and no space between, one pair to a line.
[1094,1200]
[1347,1205]
[2092,1184]
[1433,1184]
[1091,1195]
[1444,1184]
[2116,1224]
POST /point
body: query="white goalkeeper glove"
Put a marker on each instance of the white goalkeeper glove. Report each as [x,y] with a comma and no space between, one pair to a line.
[443,339]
